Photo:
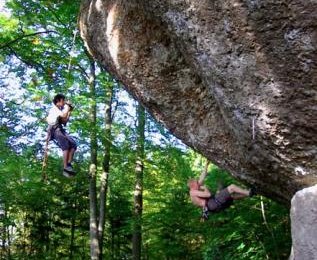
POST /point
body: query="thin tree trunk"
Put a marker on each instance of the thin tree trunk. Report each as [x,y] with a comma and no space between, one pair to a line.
[72,238]
[3,240]
[9,242]
[105,167]
[112,244]
[3,233]
[138,192]
[94,244]
[7,234]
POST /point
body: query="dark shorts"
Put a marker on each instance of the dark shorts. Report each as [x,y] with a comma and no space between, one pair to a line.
[64,141]
[220,201]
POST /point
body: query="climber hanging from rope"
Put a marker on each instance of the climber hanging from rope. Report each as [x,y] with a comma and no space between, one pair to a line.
[213,203]
[57,118]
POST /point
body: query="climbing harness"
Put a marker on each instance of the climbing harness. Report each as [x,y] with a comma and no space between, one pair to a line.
[48,139]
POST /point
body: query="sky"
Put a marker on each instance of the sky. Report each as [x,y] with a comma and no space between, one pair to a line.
[2,8]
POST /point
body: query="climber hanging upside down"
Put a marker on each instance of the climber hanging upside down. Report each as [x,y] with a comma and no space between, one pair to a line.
[57,118]
[213,203]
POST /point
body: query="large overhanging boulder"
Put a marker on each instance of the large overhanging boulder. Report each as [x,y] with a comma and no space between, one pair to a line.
[235,80]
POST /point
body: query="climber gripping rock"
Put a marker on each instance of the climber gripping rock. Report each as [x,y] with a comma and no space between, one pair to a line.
[213,203]
[57,118]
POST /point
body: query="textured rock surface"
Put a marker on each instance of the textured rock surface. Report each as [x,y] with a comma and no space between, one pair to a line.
[304,224]
[235,80]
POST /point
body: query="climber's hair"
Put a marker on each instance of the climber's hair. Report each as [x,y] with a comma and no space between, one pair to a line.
[58,98]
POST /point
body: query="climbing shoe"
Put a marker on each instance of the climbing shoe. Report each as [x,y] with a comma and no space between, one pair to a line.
[69,169]
[69,165]
[252,192]
[69,172]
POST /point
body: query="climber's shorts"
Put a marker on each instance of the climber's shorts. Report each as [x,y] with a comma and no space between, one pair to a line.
[220,201]
[64,141]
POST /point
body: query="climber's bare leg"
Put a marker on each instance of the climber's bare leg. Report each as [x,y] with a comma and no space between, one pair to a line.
[237,192]
[65,157]
[71,155]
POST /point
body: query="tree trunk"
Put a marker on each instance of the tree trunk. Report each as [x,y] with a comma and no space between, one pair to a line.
[138,192]
[235,80]
[112,244]
[9,242]
[105,167]
[3,239]
[94,244]
[72,237]
[3,230]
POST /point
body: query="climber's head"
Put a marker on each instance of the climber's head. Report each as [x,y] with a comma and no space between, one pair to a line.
[193,184]
[59,100]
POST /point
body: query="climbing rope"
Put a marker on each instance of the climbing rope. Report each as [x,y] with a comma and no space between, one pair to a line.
[44,175]
[204,173]
[71,50]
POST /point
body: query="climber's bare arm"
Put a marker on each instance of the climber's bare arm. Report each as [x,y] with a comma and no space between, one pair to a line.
[66,114]
[64,119]
[202,194]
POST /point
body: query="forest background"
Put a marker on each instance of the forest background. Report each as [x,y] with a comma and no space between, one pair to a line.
[131,172]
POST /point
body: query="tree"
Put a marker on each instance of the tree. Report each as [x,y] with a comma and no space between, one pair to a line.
[107,140]
[138,191]
[94,242]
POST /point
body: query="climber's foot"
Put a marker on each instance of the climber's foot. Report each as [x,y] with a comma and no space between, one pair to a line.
[252,192]
[68,172]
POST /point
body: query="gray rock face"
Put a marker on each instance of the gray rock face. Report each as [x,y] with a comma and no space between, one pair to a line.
[304,224]
[235,80]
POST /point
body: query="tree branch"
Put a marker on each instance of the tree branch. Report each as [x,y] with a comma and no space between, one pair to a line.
[82,70]
[25,36]
[31,64]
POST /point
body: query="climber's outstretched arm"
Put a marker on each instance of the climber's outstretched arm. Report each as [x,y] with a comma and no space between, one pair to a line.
[65,117]
[203,174]
[202,194]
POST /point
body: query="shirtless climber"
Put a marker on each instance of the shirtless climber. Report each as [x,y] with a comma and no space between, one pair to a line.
[57,118]
[213,203]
